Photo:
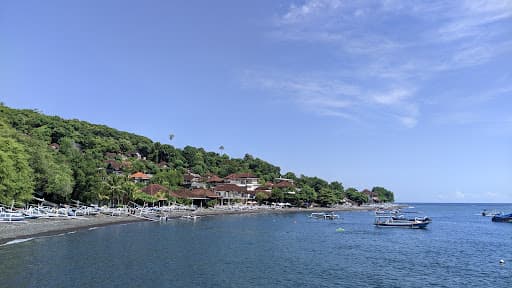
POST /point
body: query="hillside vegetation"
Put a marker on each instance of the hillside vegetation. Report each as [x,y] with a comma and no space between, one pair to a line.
[63,160]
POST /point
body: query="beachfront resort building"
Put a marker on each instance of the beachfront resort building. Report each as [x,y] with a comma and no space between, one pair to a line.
[247,180]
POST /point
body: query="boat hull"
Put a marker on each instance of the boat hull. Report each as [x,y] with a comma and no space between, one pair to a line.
[502,218]
[422,225]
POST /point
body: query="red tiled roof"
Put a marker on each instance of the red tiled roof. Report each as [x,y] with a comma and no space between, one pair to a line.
[229,188]
[152,189]
[188,177]
[196,193]
[240,176]
[139,175]
[214,179]
[262,189]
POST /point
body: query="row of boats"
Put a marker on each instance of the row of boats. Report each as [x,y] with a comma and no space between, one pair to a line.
[397,218]
[497,216]
[385,218]
[12,215]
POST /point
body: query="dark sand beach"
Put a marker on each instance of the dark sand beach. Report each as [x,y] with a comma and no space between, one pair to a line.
[10,231]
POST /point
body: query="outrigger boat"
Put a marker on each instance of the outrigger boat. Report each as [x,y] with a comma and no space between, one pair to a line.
[323,215]
[401,222]
[9,216]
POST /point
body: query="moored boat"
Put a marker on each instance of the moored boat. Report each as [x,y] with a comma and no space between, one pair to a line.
[390,221]
[502,218]
[324,215]
[491,213]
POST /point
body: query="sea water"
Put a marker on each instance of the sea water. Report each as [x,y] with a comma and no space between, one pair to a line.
[460,248]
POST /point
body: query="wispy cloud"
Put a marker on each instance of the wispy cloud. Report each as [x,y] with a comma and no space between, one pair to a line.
[336,98]
[398,46]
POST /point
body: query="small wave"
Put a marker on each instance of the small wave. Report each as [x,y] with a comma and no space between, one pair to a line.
[16,241]
[93,228]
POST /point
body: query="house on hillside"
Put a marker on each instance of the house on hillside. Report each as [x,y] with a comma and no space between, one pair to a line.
[213,180]
[231,192]
[192,180]
[140,177]
[247,180]
[113,167]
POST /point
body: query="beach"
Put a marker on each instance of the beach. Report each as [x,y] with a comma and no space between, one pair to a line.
[32,228]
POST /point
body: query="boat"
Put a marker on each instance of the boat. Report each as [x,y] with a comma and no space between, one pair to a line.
[491,213]
[502,218]
[191,217]
[402,217]
[324,215]
[8,216]
[393,221]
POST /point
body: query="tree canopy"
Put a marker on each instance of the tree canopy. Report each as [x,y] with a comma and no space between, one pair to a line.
[63,159]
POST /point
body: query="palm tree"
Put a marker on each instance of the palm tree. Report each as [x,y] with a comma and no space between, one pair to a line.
[221,148]
[171,136]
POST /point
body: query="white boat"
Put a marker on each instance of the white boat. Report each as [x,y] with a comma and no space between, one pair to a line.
[8,216]
[191,217]
[324,215]
[491,213]
[393,221]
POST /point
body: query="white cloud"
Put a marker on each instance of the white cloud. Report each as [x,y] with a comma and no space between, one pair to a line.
[392,97]
[438,37]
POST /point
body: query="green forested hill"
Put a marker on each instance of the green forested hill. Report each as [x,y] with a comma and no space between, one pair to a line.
[63,159]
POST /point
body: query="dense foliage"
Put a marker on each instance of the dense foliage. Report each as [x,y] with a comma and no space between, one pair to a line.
[65,160]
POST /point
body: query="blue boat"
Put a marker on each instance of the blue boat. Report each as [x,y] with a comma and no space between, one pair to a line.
[502,218]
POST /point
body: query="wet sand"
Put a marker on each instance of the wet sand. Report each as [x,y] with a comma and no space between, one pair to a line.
[32,228]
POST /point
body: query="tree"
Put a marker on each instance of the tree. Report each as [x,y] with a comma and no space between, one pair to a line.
[261,197]
[383,194]
[306,194]
[170,178]
[327,197]
[16,176]
[356,196]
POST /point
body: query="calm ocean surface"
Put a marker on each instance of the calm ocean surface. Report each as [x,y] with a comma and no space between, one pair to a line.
[459,249]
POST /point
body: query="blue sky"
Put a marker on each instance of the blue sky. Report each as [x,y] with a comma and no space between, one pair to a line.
[415,96]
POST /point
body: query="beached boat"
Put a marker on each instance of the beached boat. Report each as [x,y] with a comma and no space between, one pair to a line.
[502,218]
[323,215]
[8,216]
[393,221]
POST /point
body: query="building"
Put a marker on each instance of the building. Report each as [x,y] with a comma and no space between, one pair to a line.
[140,177]
[247,180]
[192,180]
[199,196]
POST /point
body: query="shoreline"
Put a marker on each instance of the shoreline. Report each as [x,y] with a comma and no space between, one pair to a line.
[50,227]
